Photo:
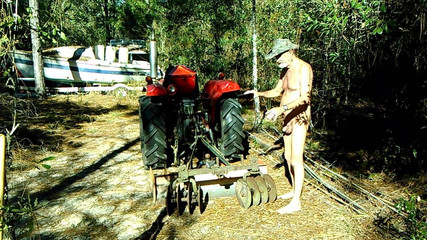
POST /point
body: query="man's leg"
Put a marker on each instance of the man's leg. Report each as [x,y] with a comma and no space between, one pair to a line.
[288,153]
[298,139]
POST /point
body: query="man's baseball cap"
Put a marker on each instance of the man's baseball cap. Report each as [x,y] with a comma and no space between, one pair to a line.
[281,46]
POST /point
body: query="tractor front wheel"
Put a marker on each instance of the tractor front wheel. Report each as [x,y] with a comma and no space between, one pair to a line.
[152,133]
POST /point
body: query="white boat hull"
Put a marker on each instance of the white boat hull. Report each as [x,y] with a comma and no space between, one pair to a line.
[74,72]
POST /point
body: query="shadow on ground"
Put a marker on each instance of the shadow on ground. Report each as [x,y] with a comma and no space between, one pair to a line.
[42,122]
[52,193]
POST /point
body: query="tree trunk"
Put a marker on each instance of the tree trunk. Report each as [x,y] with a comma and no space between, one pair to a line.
[37,49]
[106,22]
[255,62]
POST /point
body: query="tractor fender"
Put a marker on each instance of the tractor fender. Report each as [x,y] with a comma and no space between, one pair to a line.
[156,90]
[214,90]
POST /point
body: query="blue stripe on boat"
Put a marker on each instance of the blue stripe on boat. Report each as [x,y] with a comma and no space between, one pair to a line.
[77,69]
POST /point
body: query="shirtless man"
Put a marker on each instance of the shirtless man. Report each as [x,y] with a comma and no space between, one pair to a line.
[295,82]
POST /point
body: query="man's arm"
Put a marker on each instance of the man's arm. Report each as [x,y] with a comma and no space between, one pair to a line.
[275,92]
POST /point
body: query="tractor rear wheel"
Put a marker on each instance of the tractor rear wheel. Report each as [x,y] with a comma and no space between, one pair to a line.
[231,121]
[152,128]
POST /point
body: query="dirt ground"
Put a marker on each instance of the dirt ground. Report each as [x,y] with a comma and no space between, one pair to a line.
[96,186]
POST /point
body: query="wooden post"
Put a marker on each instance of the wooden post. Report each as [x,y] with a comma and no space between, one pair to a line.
[2,176]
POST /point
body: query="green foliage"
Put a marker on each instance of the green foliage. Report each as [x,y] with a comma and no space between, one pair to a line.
[83,22]
[211,37]
[52,36]
[25,209]
[7,24]
[415,219]
[46,166]
[135,18]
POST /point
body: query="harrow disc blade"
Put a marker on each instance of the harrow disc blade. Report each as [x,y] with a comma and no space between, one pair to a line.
[243,193]
[200,199]
[256,196]
[271,187]
[189,195]
[262,186]
[178,196]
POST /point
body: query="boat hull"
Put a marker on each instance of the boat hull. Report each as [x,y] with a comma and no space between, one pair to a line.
[75,72]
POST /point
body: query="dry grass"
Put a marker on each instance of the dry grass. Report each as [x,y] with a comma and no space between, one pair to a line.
[76,127]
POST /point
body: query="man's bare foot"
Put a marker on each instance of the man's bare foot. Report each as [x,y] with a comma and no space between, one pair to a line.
[288,195]
[290,208]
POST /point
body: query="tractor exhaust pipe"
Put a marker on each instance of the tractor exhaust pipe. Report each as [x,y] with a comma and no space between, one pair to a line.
[153,56]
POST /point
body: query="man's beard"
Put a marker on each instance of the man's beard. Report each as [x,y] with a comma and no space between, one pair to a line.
[283,65]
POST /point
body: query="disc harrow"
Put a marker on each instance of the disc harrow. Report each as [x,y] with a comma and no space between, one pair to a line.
[191,188]
[254,190]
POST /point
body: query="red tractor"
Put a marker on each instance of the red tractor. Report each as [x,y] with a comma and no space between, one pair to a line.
[174,118]
[194,137]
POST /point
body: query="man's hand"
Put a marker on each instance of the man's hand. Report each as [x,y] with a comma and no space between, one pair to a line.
[253,91]
[273,113]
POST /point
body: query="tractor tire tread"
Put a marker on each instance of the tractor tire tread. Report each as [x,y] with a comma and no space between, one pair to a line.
[232,135]
[152,132]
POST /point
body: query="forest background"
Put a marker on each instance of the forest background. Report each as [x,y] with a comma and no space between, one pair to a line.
[369,59]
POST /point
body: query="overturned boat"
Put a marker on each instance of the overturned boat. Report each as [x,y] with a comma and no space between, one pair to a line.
[122,62]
